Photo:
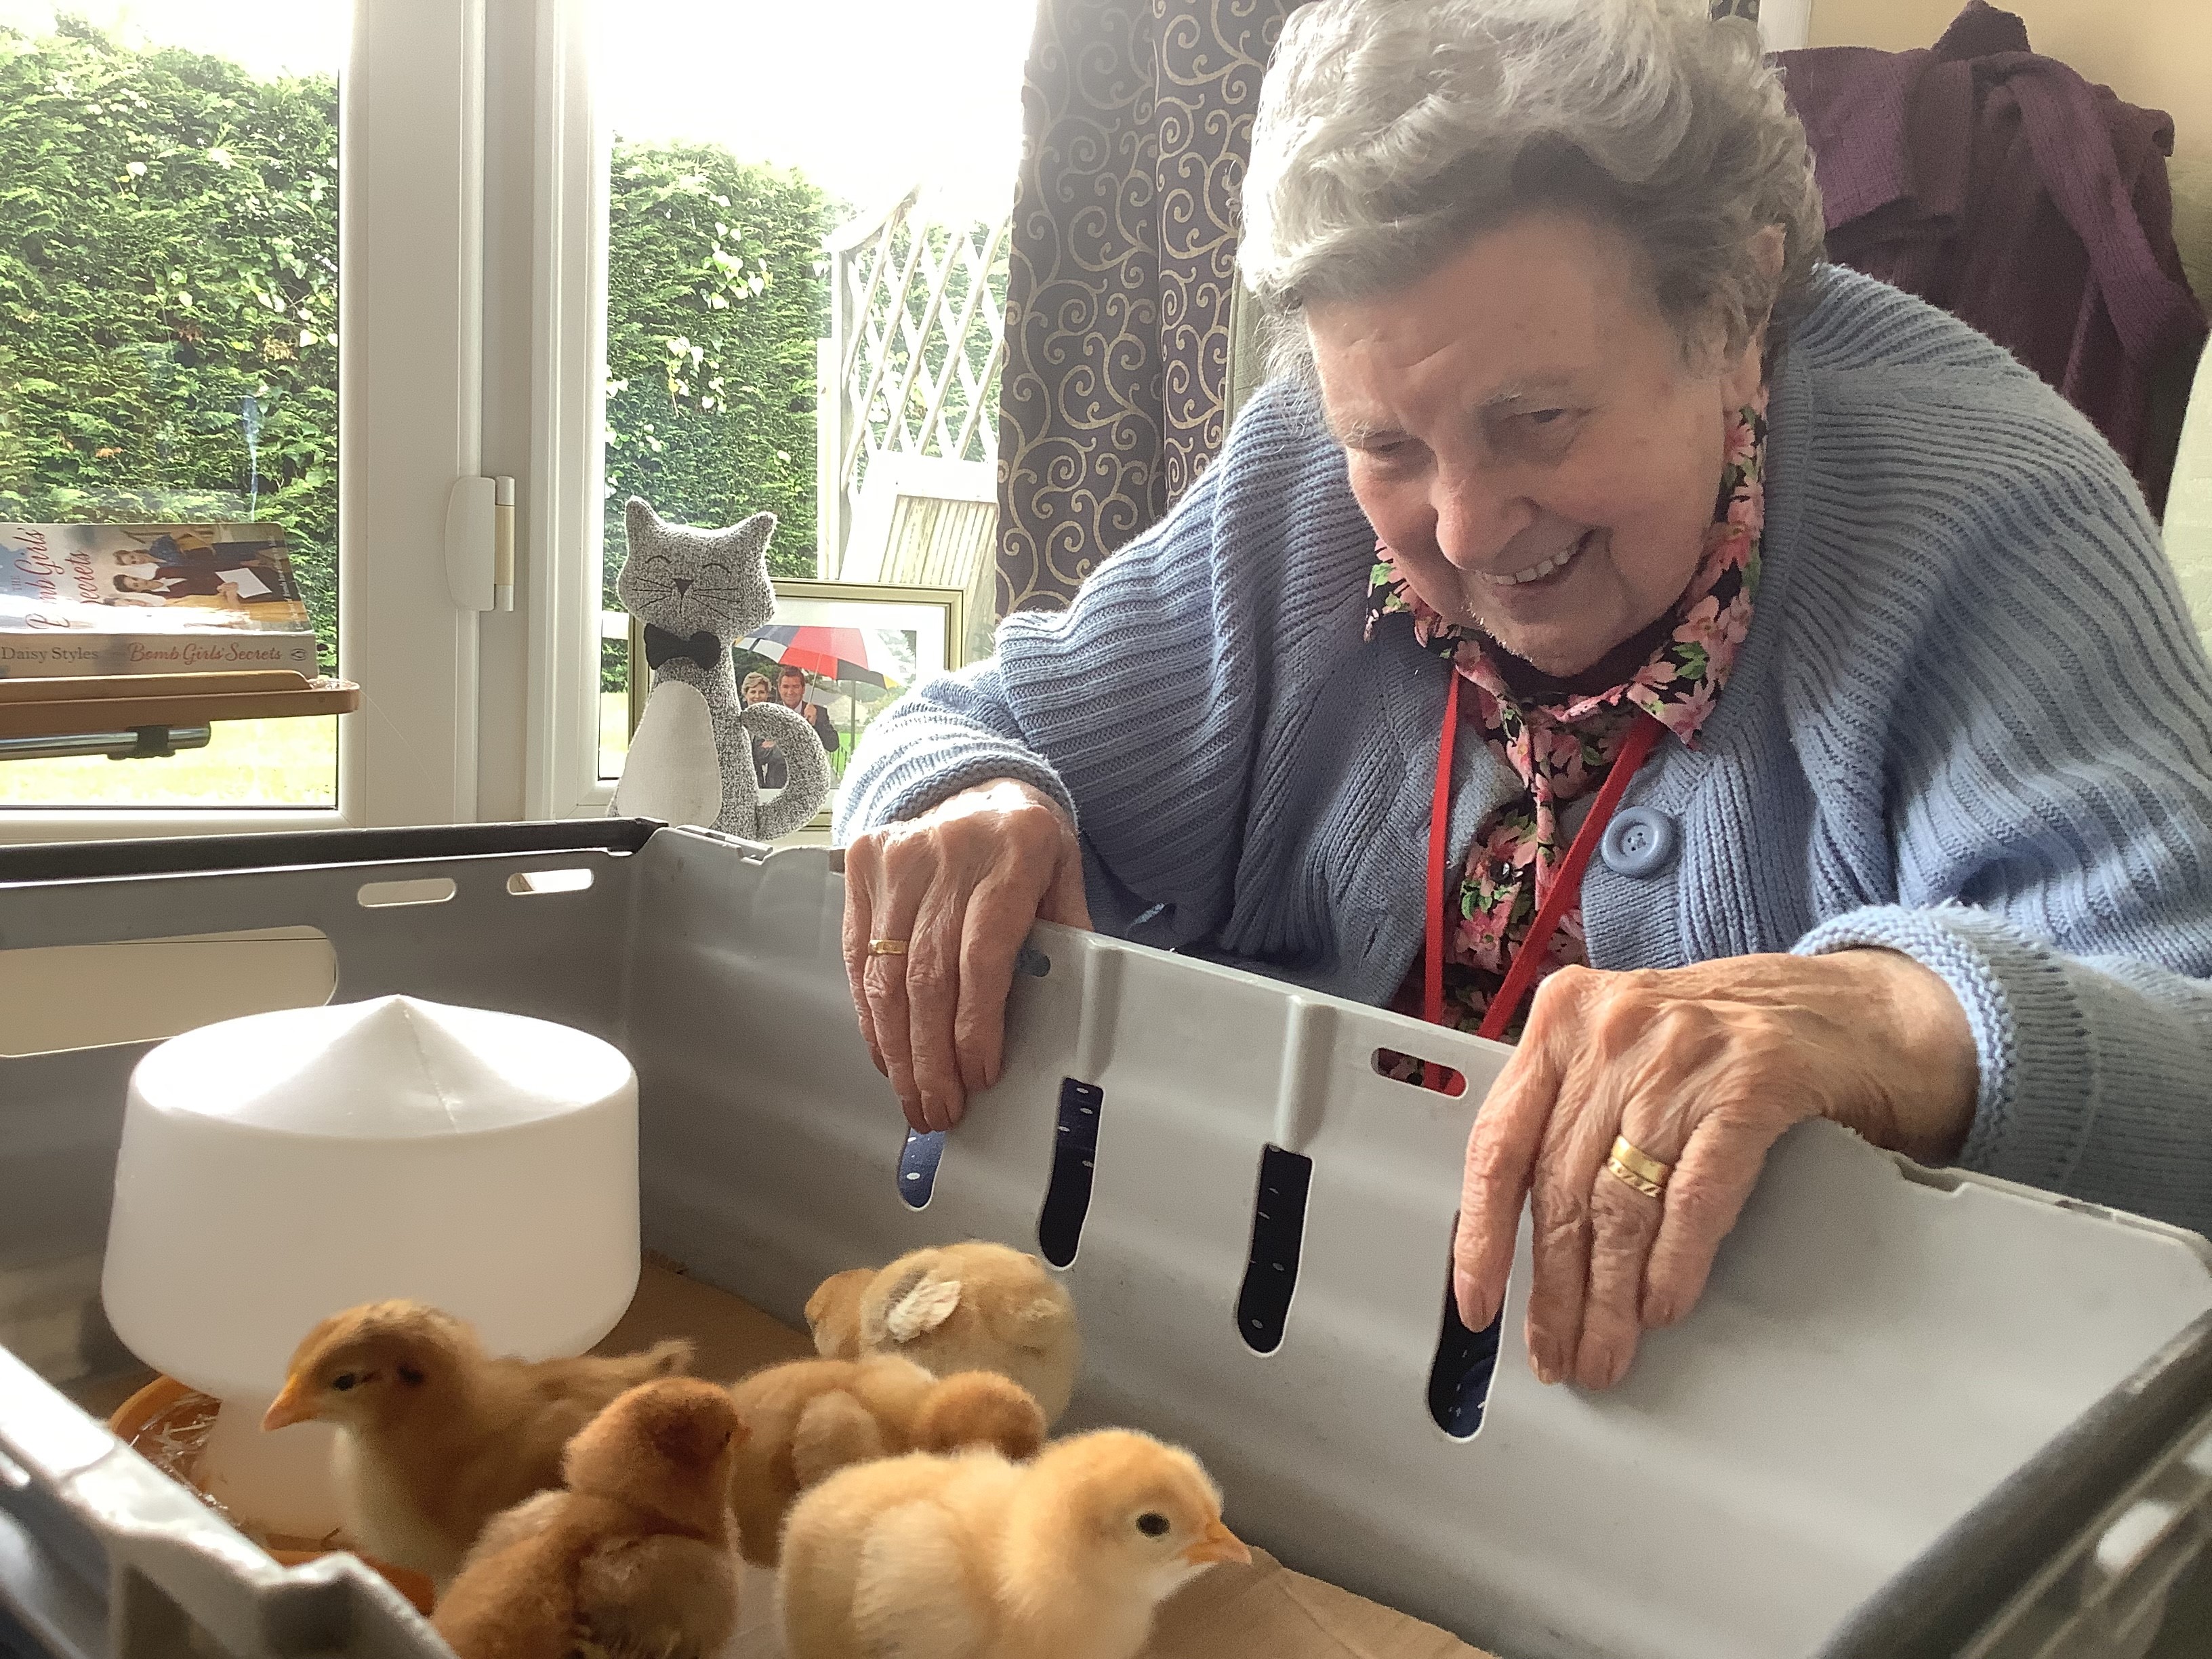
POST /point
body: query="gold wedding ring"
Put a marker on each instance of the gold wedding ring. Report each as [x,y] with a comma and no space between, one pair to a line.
[1636,1169]
[886,947]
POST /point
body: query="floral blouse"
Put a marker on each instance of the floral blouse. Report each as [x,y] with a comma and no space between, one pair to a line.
[1562,751]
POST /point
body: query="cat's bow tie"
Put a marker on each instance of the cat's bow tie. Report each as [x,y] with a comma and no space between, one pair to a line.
[663,647]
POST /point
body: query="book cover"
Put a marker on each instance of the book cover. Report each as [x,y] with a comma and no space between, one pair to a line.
[136,599]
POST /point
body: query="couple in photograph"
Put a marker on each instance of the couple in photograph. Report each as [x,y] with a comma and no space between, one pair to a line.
[790,690]
[182,566]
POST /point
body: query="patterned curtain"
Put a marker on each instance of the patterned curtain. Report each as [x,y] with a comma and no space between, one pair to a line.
[1137,118]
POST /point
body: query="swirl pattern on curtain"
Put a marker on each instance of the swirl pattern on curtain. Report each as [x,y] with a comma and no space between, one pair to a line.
[1137,120]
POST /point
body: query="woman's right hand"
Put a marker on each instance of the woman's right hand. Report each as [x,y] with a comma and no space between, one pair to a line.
[961,884]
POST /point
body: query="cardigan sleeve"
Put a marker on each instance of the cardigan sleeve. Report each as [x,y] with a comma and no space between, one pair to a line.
[1138,708]
[2050,804]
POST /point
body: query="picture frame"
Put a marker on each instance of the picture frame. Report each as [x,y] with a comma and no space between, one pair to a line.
[908,633]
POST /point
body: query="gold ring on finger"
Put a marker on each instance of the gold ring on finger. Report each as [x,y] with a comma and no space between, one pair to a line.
[886,947]
[1636,1169]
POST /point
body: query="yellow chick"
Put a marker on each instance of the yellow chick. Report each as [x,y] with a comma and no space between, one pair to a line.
[435,1436]
[971,1307]
[974,1557]
[634,1559]
[809,1418]
[833,1312]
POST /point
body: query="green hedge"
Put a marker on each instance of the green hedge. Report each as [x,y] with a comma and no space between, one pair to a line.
[169,308]
[168,283]
[715,298]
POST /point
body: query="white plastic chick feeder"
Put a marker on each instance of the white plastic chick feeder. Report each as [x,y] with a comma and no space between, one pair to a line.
[277,1168]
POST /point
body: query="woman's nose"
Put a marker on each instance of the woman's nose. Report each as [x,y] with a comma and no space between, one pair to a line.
[1476,517]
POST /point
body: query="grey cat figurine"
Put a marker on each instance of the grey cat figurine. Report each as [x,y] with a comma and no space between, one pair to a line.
[691,758]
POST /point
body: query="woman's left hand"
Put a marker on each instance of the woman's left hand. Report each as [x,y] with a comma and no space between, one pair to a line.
[1703,1069]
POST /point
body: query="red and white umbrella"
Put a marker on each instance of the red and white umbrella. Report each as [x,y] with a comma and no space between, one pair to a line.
[855,654]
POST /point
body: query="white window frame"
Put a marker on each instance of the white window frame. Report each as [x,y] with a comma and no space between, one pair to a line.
[411,388]
[568,448]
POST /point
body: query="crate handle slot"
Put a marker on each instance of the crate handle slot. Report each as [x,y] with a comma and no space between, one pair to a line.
[1465,1368]
[1074,1151]
[917,1166]
[56,999]
[524,882]
[1279,1226]
[1415,1072]
[427,889]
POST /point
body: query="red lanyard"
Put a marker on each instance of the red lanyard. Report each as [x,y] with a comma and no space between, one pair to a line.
[1566,881]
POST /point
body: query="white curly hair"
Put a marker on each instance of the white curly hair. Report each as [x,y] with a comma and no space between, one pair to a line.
[1389,131]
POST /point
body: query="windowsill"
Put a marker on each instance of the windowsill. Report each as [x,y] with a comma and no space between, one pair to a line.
[21,825]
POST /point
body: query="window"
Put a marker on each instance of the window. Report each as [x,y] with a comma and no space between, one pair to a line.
[228,229]
[786,187]
[593,248]
[168,323]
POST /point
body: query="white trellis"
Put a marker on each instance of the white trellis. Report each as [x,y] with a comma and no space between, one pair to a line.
[917,310]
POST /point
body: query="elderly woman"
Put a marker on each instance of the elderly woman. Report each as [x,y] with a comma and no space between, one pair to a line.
[1610,593]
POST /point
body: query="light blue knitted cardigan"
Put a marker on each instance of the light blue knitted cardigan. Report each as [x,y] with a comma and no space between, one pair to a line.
[1970,722]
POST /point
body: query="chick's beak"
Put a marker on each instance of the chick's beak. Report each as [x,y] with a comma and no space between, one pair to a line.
[1218,1544]
[294,1405]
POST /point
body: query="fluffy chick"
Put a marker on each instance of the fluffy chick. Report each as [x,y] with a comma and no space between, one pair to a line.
[809,1418]
[946,1557]
[435,1436]
[833,1312]
[971,1307]
[635,1558]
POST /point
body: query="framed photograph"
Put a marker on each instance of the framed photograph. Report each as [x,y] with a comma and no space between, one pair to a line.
[839,653]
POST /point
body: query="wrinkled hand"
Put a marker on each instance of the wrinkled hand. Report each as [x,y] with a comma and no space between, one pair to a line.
[1702,1068]
[961,884]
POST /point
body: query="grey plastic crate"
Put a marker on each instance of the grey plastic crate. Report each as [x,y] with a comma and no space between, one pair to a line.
[1915,1414]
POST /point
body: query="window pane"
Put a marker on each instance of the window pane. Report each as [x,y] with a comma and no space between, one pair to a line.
[720,283]
[168,315]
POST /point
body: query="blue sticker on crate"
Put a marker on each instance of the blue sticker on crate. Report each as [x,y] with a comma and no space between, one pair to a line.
[917,1167]
[1075,1150]
[1459,1381]
[1279,1226]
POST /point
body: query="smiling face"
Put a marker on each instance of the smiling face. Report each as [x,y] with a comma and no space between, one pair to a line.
[688,581]
[1524,431]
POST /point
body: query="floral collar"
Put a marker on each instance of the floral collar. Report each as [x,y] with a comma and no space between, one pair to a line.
[1561,750]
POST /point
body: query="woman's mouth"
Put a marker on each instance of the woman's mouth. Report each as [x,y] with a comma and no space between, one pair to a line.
[1549,567]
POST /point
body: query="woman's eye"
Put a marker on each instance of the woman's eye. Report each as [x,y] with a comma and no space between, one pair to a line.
[1539,433]
[1393,452]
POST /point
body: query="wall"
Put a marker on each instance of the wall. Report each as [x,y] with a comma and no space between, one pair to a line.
[2153,52]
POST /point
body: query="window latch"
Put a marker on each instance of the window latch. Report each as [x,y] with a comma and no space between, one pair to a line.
[480,543]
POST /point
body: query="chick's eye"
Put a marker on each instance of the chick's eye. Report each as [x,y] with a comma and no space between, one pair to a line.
[410,1374]
[343,1381]
[1152,1524]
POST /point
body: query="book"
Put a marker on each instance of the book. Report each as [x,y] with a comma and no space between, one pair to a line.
[149,598]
